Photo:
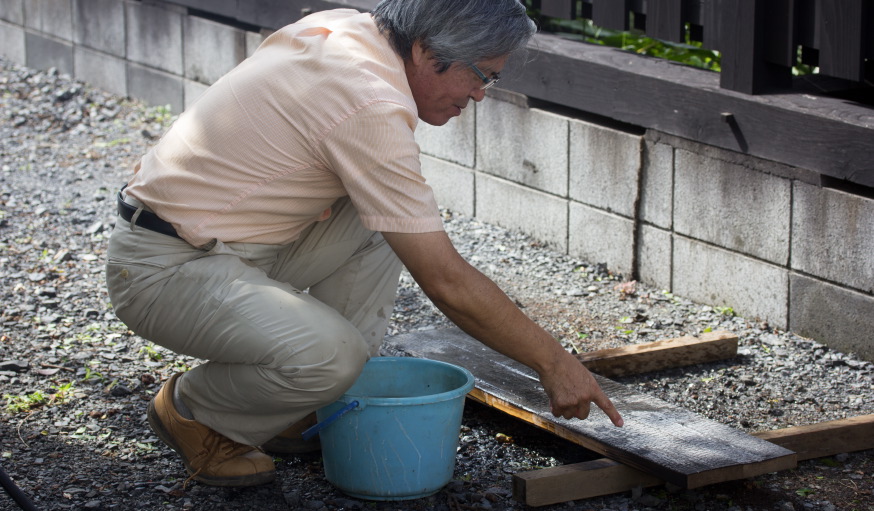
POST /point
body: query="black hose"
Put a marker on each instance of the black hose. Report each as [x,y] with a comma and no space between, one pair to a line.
[15,492]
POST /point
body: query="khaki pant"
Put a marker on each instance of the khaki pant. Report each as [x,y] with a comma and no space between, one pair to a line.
[274,352]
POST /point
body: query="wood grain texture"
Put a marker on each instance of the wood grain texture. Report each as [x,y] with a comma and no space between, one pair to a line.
[658,355]
[658,438]
[578,481]
[826,438]
[664,20]
[605,477]
[563,9]
[842,23]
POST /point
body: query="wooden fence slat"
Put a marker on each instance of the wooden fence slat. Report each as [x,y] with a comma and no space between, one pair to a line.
[742,43]
[780,33]
[612,14]
[840,26]
[563,9]
[664,20]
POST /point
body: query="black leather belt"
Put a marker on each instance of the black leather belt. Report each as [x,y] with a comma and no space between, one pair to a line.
[146,219]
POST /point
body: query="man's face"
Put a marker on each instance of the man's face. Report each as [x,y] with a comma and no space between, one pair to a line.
[441,96]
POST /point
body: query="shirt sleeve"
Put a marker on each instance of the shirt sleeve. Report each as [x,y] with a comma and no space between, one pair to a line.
[375,155]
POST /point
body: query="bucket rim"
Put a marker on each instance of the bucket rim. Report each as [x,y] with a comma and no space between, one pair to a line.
[455,393]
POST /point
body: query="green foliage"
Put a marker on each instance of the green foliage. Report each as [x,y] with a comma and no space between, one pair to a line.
[725,311]
[27,402]
[150,351]
[688,52]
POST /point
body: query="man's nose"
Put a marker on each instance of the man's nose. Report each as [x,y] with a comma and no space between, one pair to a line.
[478,94]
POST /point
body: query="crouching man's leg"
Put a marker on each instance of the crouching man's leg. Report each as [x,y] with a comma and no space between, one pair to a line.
[274,355]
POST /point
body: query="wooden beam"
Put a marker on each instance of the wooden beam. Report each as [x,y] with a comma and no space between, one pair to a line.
[664,354]
[826,438]
[605,477]
[659,438]
[578,481]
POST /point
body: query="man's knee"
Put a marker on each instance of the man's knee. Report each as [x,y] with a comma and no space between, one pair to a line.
[327,366]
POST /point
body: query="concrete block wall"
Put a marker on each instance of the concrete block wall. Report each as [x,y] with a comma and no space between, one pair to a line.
[714,226]
[149,49]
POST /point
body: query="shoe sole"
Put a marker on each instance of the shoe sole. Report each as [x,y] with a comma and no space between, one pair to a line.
[247,480]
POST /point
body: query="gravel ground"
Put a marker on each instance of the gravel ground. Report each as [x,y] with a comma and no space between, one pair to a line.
[76,381]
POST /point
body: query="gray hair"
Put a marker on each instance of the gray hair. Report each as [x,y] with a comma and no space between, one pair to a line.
[465,31]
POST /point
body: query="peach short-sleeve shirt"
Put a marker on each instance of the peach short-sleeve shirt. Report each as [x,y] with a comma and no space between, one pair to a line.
[321,110]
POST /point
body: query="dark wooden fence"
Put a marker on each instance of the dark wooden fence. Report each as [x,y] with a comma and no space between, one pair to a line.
[759,40]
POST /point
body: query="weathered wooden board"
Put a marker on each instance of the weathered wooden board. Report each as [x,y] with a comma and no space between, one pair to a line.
[654,356]
[658,438]
[604,477]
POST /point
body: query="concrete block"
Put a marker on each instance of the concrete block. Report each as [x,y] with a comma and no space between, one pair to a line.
[211,49]
[104,71]
[192,91]
[454,141]
[155,87]
[654,256]
[604,167]
[709,275]
[515,207]
[12,11]
[53,17]
[732,206]
[273,14]
[841,318]
[12,45]
[833,236]
[601,237]
[44,53]
[154,36]
[657,185]
[526,146]
[99,25]
[453,185]
[254,40]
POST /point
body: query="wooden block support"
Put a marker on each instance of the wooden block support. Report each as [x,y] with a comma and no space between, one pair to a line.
[826,438]
[605,477]
[654,356]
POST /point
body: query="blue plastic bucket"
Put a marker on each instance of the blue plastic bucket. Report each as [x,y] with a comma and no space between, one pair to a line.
[400,441]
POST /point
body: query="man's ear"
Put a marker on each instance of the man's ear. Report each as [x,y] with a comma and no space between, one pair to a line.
[419,54]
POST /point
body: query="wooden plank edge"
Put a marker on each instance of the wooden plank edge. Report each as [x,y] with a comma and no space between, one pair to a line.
[602,477]
[662,354]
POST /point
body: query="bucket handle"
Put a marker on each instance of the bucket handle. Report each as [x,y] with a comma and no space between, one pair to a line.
[309,433]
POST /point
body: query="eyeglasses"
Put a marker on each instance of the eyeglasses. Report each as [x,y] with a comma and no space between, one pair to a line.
[487,81]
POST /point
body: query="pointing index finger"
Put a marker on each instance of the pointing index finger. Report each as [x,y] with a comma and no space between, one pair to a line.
[605,404]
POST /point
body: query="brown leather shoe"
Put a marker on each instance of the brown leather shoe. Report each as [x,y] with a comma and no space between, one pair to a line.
[290,441]
[210,457]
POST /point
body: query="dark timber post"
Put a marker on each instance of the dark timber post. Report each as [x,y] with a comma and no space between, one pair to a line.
[743,40]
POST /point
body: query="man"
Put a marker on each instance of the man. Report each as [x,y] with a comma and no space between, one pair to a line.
[265,232]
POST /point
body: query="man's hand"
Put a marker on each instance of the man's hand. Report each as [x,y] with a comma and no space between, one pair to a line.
[571,388]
